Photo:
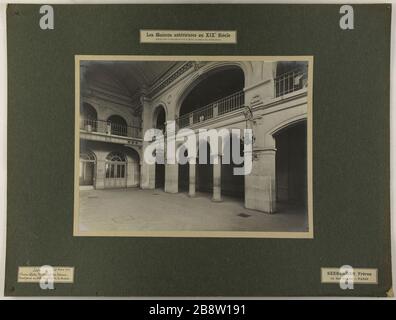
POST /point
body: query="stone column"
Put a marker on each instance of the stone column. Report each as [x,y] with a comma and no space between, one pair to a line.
[171,178]
[147,171]
[100,174]
[137,174]
[217,178]
[260,189]
[147,175]
[132,173]
[191,178]
[171,165]
[259,87]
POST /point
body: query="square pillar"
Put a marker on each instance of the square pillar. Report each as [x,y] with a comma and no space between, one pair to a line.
[191,178]
[147,175]
[217,178]
[132,174]
[171,178]
[260,187]
[100,174]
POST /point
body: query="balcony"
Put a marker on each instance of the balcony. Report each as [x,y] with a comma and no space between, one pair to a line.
[212,110]
[284,84]
[289,82]
[101,130]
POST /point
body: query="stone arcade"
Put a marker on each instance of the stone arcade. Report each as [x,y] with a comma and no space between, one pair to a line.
[121,100]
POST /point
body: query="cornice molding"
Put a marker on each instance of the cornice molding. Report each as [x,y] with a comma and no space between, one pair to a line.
[163,83]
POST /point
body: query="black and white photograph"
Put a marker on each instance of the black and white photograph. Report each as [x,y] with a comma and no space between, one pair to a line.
[193,146]
[167,152]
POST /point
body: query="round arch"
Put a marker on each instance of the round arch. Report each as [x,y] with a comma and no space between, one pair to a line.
[279,127]
[159,111]
[118,125]
[88,111]
[205,71]
[116,170]
[231,184]
[183,169]
[117,119]
[290,140]
[88,117]
[204,171]
[159,117]
[87,168]
[134,150]
[87,155]
[117,156]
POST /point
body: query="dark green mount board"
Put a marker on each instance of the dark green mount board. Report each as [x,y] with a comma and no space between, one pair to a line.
[350,145]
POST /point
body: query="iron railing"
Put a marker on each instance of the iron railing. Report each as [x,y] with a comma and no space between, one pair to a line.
[212,110]
[110,128]
[290,81]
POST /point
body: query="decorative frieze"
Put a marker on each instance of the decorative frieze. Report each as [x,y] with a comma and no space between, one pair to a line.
[184,68]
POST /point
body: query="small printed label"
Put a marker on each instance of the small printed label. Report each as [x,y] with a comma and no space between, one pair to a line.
[188,36]
[35,274]
[356,275]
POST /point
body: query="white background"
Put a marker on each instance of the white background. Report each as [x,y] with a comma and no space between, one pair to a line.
[3,109]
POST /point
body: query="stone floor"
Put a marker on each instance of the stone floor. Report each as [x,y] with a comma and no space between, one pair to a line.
[154,210]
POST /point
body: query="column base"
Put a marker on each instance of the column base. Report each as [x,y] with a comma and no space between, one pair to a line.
[171,178]
[217,200]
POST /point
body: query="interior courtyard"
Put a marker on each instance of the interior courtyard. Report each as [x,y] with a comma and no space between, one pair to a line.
[121,100]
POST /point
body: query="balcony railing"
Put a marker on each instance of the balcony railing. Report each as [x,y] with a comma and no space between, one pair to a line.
[290,82]
[212,110]
[107,127]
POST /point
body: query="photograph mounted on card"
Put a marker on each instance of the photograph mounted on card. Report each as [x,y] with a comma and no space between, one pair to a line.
[215,146]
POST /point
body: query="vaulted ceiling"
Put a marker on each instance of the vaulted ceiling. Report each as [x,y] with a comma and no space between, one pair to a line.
[126,77]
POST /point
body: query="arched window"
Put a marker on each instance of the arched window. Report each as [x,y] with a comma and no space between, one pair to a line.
[160,118]
[217,92]
[87,168]
[118,125]
[87,156]
[116,156]
[116,166]
[88,117]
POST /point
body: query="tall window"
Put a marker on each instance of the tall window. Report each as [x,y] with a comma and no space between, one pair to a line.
[116,165]
[87,168]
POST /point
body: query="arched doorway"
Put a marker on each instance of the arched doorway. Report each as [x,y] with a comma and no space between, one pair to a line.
[88,117]
[116,170]
[231,184]
[291,164]
[160,118]
[118,125]
[217,92]
[133,167]
[160,123]
[204,172]
[87,169]
[183,174]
